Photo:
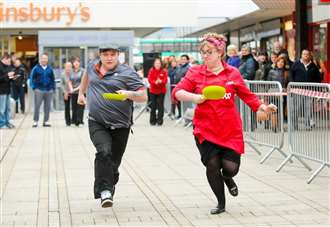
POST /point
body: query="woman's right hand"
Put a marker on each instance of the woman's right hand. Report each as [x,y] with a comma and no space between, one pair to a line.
[198,99]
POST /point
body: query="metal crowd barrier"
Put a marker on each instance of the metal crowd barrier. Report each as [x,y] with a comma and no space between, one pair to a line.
[141,108]
[187,111]
[267,132]
[167,99]
[58,100]
[309,124]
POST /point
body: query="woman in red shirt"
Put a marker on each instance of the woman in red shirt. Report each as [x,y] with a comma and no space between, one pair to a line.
[157,78]
[217,124]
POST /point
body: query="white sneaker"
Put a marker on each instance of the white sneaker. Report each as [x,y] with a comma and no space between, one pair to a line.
[106,199]
[35,124]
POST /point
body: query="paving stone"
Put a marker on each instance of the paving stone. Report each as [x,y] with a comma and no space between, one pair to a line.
[48,181]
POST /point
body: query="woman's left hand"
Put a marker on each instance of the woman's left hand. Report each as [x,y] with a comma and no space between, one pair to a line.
[128,94]
[268,108]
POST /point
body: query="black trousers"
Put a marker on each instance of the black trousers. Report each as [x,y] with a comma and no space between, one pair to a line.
[19,95]
[175,105]
[178,106]
[157,104]
[77,110]
[67,110]
[110,146]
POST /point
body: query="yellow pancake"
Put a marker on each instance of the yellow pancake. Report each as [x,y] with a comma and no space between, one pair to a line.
[214,92]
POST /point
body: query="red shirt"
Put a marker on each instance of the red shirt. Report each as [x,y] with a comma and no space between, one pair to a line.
[218,121]
[155,74]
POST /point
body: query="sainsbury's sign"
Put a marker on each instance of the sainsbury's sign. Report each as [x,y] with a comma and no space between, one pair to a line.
[96,13]
[41,13]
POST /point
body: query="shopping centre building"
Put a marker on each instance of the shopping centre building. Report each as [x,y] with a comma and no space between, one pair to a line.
[75,28]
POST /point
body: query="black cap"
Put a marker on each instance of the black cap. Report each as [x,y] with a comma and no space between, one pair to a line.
[109,46]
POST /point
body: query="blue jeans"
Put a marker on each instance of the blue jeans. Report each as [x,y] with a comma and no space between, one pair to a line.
[4,110]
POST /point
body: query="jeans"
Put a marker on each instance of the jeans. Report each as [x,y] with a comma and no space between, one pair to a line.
[110,146]
[4,110]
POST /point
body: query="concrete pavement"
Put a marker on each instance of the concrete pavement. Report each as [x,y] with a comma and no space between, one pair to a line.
[47,180]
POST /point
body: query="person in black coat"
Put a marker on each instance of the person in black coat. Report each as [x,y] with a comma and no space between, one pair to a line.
[248,64]
[305,70]
[18,84]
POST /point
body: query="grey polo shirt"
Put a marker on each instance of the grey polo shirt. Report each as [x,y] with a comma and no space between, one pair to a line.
[114,114]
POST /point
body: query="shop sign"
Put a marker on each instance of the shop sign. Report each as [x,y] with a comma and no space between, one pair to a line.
[33,12]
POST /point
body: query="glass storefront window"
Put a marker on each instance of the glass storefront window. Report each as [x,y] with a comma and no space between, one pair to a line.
[4,45]
[92,53]
[267,44]
[320,46]
[319,41]
[58,57]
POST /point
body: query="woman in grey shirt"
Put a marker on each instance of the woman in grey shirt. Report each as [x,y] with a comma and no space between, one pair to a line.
[75,78]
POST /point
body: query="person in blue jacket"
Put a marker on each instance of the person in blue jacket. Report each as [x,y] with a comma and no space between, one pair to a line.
[233,58]
[43,84]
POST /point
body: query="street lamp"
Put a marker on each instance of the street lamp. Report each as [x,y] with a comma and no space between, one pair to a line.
[20,37]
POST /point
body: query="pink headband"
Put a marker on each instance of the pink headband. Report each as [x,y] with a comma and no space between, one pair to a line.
[220,44]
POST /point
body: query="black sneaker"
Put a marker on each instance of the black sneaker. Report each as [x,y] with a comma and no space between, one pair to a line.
[218,210]
[106,199]
[46,124]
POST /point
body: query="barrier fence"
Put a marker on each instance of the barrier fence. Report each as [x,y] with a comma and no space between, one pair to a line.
[265,130]
[309,124]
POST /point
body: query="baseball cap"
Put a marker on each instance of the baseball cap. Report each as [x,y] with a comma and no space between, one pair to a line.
[109,46]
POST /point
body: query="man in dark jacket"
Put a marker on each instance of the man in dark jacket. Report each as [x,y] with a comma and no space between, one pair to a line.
[182,69]
[248,65]
[5,78]
[305,70]
[43,83]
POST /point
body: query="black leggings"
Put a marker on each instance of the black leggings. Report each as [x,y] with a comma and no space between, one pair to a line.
[217,170]
[221,163]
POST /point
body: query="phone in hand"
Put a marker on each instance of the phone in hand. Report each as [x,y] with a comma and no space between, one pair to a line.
[11,75]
